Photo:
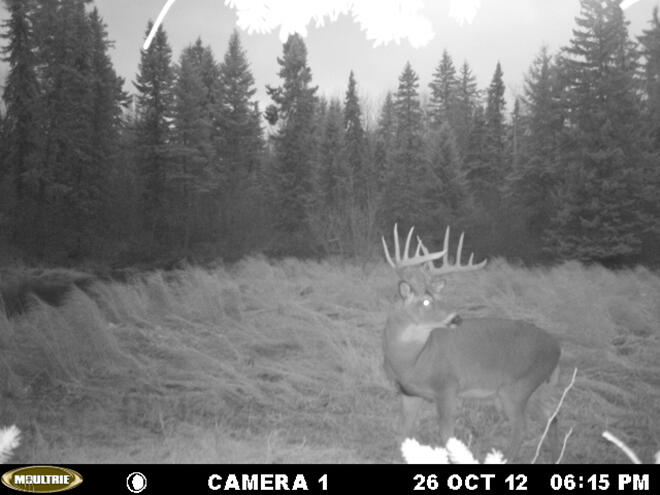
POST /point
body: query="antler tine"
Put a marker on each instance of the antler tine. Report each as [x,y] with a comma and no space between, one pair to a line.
[460,249]
[397,250]
[447,266]
[445,247]
[387,253]
[406,251]
[403,260]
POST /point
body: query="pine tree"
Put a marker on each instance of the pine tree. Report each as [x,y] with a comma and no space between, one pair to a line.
[334,178]
[154,84]
[597,216]
[20,96]
[467,99]
[540,143]
[69,178]
[444,93]
[239,144]
[495,129]
[650,49]
[384,147]
[444,187]
[404,183]
[191,176]
[107,99]
[355,143]
[294,103]
[485,158]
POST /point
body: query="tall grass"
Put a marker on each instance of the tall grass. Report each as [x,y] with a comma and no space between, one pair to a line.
[270,361]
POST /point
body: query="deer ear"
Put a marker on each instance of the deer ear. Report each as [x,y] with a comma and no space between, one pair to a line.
[405,290]
[437,286]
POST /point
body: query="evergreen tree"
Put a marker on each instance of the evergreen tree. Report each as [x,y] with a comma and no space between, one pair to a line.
[404,183]
[650,49]
[70,180]
[239,144]
[467,99]
[444,93]
[191,174]
[20,96]
[334,174]
[485,158]
[154,84]
[355,143]
[333,182]
[384,147]
[495,129]
[444,187]
[540,143]
[107,99]
[597,215]
[294,103]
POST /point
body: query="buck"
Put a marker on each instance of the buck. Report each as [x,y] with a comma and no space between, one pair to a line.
[432,354]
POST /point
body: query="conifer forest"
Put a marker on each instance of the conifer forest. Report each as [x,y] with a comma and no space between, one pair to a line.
[189,165]
[191,264]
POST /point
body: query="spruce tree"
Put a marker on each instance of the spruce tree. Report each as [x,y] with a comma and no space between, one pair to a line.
[333,183]
[107,99]
[444,93]
[467,99]
[20,97]
[190,175]
[355,143]
[384,146]
[155,99]
[650,49]
[540,140]
[495,129]
[485,155]
[597,215]
[239,144]
[334,176]
[294,101]
[70,179]
[444,187]
[405,179]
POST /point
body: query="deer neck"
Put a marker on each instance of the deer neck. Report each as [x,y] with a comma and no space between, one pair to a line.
[403,340]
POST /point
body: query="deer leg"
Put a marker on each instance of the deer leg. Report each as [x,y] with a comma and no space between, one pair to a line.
[409,412]
[445,403]
[514,407]
[553,439]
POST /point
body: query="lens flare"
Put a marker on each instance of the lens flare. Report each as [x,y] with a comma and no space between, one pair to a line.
[464,11]
[383,21]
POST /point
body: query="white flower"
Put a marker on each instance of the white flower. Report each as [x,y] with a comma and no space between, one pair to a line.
[455,452]
[9,440]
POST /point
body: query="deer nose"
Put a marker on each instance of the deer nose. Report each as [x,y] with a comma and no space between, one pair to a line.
[455,321]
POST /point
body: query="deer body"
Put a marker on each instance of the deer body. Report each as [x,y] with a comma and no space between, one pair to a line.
[469,358]
[431,354]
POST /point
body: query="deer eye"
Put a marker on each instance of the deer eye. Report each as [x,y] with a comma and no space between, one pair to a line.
[426,302]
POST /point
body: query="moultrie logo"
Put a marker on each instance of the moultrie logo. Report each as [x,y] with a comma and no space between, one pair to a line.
[41,479]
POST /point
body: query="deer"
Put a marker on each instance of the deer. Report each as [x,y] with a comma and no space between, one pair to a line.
[433,354]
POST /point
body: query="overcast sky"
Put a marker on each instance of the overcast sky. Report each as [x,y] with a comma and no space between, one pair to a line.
[509,31]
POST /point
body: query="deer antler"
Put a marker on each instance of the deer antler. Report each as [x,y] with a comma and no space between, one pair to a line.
[406,260]
[447,266]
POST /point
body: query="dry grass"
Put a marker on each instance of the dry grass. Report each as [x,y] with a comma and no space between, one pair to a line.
[281,362]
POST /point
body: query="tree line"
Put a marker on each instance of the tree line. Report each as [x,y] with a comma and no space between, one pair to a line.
[189,165]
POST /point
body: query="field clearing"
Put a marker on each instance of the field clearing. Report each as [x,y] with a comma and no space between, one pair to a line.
[281,362]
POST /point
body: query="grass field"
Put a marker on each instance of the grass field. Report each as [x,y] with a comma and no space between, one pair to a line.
[281,361]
